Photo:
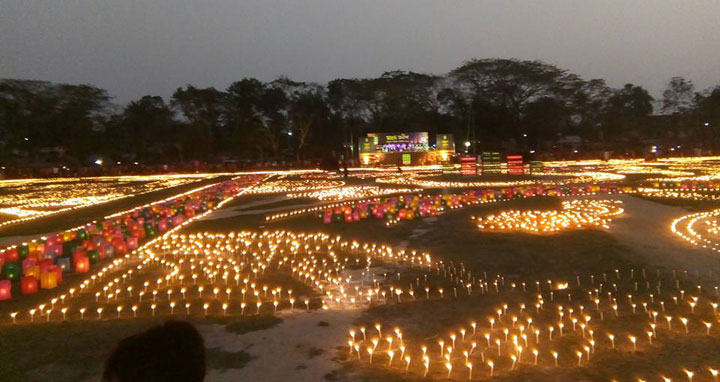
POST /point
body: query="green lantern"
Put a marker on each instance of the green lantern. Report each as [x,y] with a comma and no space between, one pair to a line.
[94,256]
[23,251]
[82,234]
[12,270]
[69,247]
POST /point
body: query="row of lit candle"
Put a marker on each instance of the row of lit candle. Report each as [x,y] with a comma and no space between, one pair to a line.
[509,332]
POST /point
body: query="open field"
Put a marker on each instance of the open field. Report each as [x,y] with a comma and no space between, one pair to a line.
[28,199]
[283,305]
[71,218]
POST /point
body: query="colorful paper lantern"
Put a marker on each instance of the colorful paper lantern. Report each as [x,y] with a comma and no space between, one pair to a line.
[12,270]
[82,264]
[28,285]
[12,255]
[93,256]
[5,290]
[23,251]
[33,271]
[27,263]
[132,243]
[63,263]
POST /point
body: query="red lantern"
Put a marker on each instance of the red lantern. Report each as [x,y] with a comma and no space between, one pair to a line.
[45,265]
[12,255]
[82,264]
[5,290]
[28,285]
[132,243]
[163,225]
[89,245]
[120,246]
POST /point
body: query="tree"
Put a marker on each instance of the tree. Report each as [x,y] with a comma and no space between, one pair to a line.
[588,104]
[497,104]
[247,121]
[206,112]
[307,108]
[39,114]
[510,85]
[708,120]
[626,110]
[549,118]
[678,97]
[146,127]
[709,107]
[631,100]
[273,107]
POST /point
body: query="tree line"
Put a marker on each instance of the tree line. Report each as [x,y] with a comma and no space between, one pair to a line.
[526,105]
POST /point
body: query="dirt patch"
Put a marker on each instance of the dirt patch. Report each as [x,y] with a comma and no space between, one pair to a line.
[284,352]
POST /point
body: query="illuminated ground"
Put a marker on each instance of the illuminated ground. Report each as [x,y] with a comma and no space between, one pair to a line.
[313,346]
[639,239]
[68,219]
[26,200]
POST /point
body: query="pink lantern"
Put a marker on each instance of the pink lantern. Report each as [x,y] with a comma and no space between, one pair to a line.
[132,243]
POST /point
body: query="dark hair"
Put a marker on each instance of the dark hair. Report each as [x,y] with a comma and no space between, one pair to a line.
[173,351]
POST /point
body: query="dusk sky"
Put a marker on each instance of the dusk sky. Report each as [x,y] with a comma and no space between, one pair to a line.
[137,47]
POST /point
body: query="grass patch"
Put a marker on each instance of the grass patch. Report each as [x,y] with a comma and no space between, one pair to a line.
[66,351]
[454,237]
[77,350]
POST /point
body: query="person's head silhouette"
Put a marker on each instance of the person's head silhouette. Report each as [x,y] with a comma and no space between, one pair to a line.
[173,351]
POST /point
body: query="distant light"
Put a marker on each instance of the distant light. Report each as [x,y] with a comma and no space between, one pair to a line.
[27,139]
[672,149]
[706,125]
[99,162]
[532,151]
[525,135]
[467,143]
[118,162]
[136,163]
[575,151]
[290,133]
